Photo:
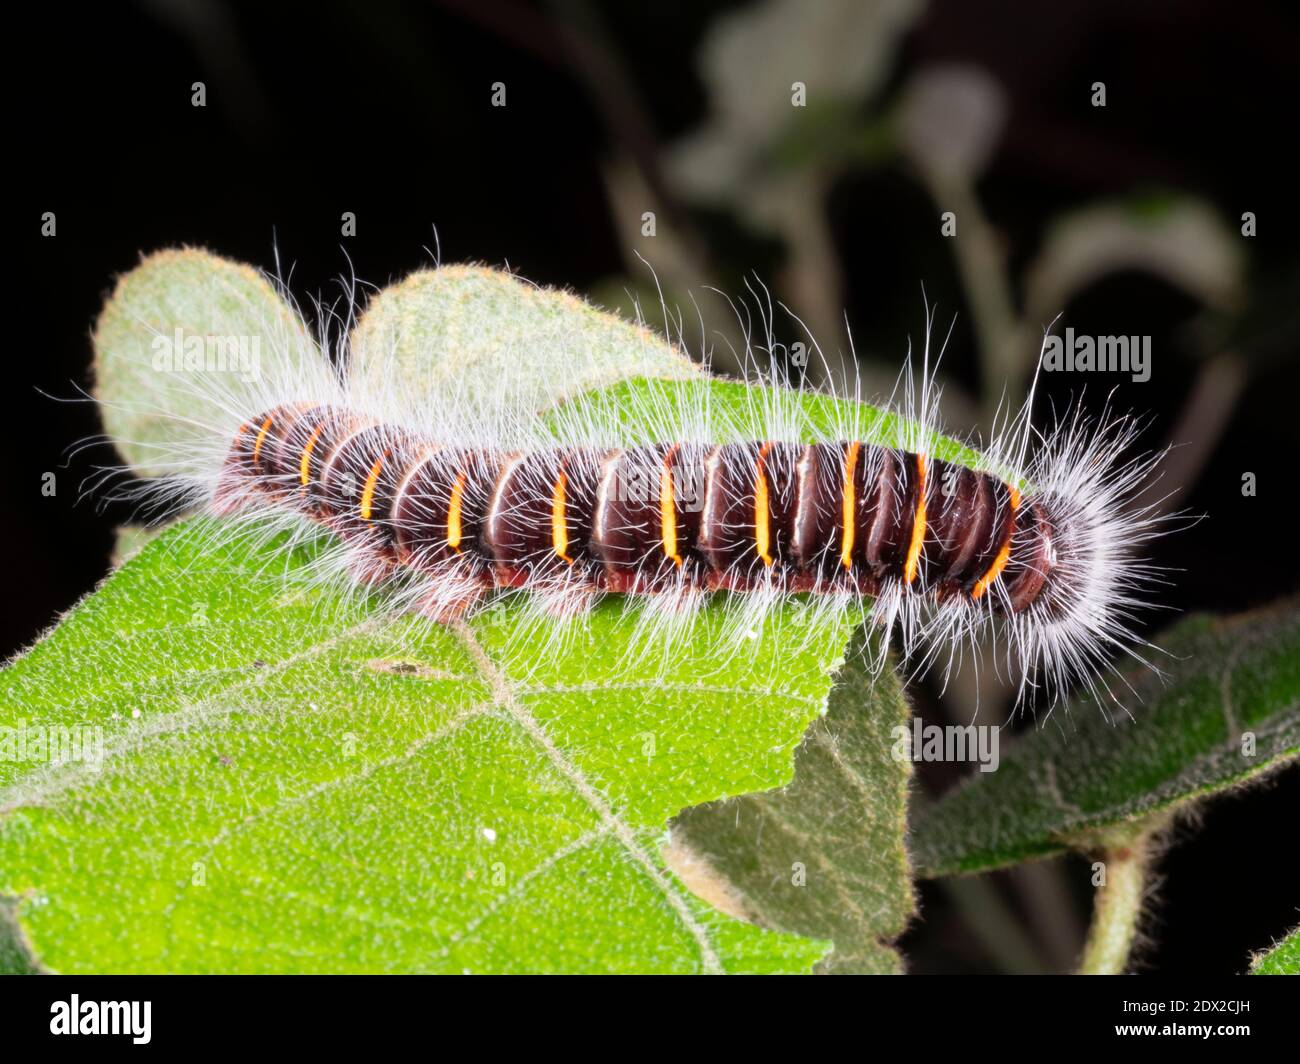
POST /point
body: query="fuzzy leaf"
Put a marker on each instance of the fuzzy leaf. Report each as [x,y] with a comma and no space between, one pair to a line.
[232,325]
[824,856]
[290,785]
[489,330]
[1228,711]
[1282,959]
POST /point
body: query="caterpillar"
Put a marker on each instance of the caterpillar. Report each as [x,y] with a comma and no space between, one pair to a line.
[844,517]
[449,498]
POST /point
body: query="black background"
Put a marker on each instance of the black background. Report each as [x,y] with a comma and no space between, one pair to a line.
[383,109]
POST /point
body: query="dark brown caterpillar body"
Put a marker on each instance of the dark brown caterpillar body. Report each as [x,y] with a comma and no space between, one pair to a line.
[823,517]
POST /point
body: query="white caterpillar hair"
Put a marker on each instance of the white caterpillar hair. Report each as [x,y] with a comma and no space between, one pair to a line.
[815,510]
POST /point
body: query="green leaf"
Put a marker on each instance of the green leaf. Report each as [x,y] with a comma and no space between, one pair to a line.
[824,856]
[290,783]
[1282,959]
[1227,711]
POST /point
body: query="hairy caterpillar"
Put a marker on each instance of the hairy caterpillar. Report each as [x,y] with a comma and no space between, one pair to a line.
[846,517]
[665,498]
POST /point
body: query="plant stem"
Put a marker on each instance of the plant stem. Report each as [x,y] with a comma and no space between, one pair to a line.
[982,266]
[1117,906]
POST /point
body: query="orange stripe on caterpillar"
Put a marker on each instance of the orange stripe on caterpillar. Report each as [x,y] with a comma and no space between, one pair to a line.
[1004,552]
[848,503]
[918,525]
[668,510]
[368,492]
[454,513]
[261,438]
[559,521]
[304,465]
[762,510]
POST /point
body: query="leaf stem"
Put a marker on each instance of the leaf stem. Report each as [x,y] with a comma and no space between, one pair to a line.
[1117,905]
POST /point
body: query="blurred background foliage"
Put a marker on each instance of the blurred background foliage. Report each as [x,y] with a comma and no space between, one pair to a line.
[1124,219]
